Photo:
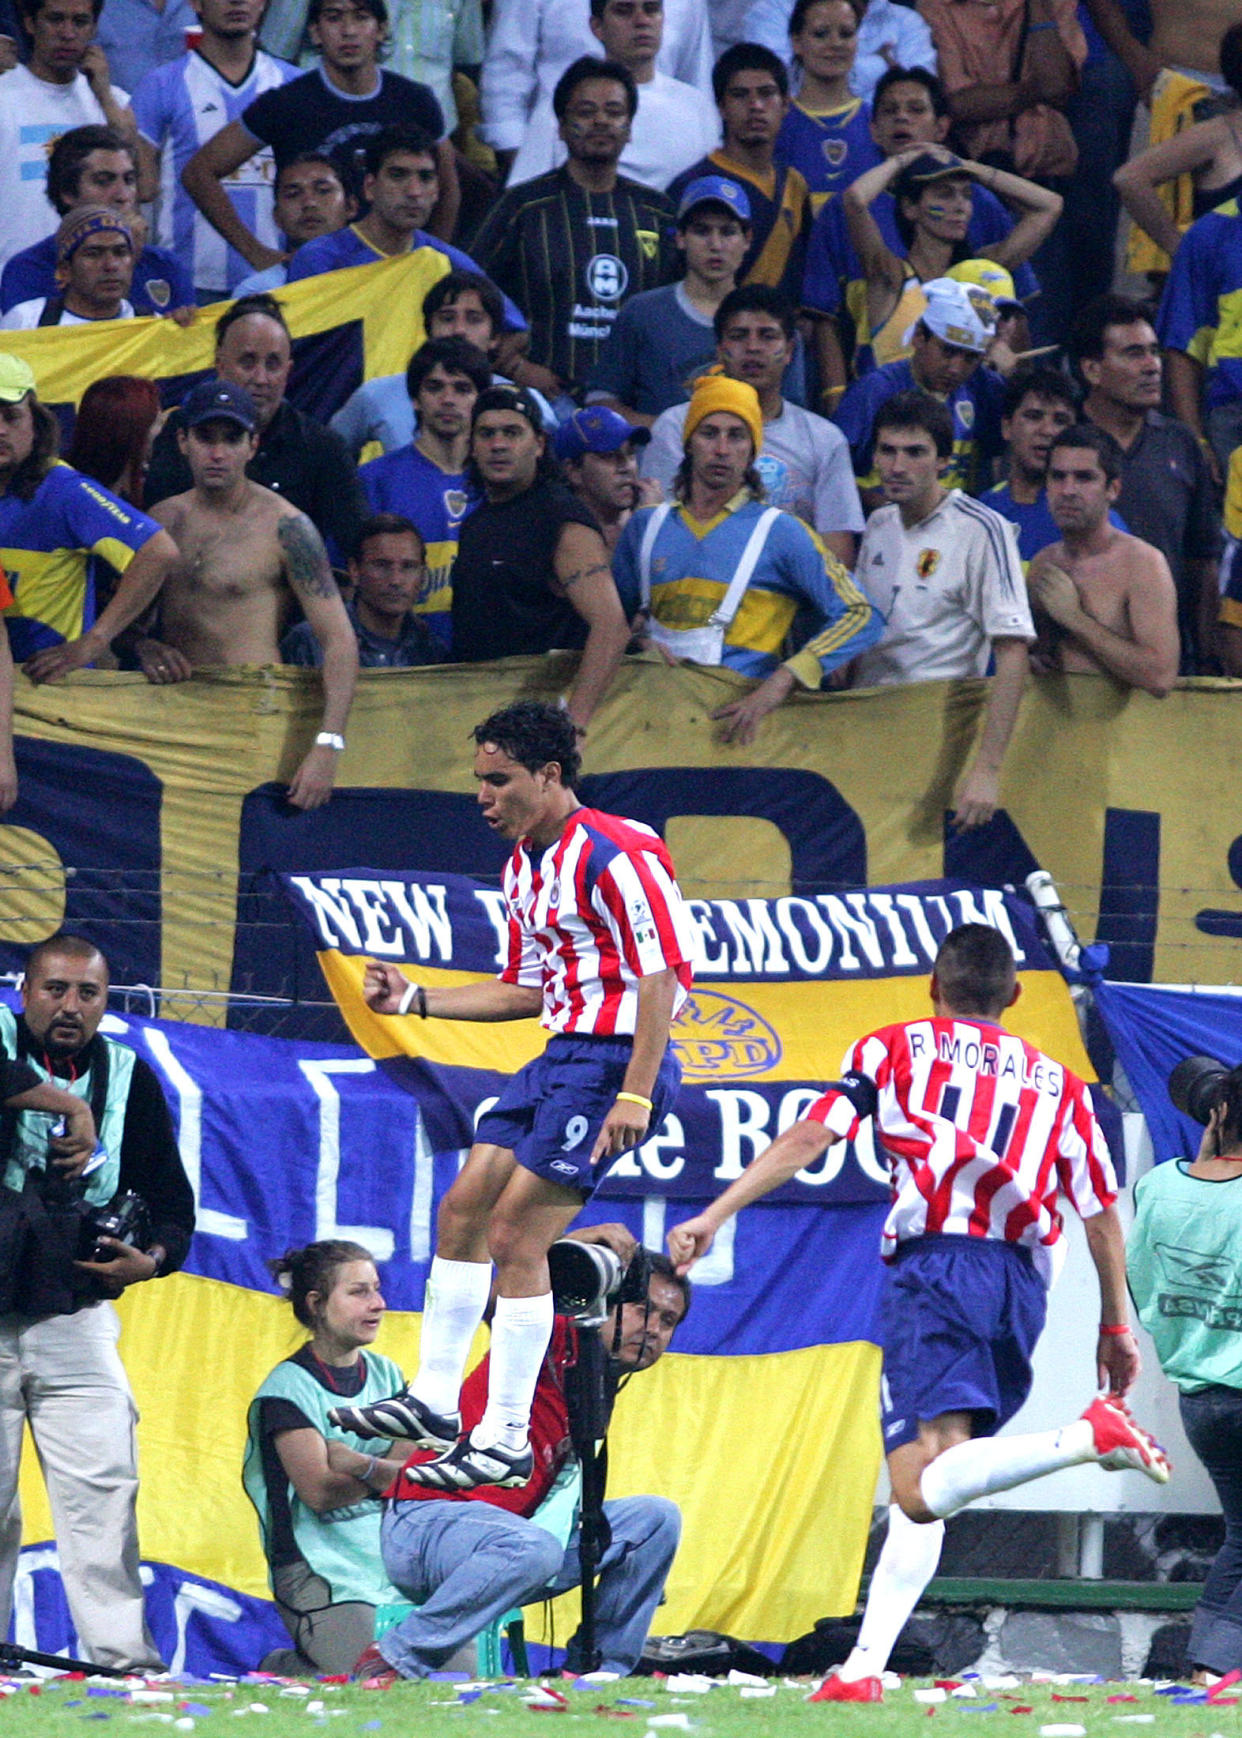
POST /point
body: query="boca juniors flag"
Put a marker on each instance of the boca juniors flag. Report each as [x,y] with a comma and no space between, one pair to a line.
[784,1318]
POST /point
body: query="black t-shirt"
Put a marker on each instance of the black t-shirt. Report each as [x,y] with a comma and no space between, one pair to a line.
[1168,499]
[309,114]
[277,1415]
[504,601]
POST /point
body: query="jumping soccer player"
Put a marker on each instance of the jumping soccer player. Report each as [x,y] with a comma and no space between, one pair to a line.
[600,944]
[981,1130]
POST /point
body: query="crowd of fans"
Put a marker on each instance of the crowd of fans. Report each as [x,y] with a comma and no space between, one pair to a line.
[787,336]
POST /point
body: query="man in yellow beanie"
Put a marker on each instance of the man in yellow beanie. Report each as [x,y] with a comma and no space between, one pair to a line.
[719,577]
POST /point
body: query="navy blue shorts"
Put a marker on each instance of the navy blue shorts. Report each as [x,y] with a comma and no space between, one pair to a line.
[959,1322]
[552,1110]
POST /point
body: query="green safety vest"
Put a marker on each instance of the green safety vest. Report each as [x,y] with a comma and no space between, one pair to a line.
[31,1129]
[1184,1264]
[343,1545]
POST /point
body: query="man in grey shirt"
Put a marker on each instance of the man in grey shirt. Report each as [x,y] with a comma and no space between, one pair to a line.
[805,461]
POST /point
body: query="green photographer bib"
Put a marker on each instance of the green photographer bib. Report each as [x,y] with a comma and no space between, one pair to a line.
[32,1128]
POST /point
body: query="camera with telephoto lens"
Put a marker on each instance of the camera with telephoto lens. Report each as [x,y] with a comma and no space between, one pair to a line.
[589,1278]
[1195,1086]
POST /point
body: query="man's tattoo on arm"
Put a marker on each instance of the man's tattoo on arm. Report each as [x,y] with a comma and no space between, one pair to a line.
[306,559]
[572,579]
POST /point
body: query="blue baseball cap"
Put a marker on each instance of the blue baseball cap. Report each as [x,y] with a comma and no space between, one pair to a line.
[219,401]
[596,430]
[715,190]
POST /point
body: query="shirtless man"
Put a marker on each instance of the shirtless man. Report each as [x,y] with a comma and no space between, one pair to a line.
[245,555]
[1105,602]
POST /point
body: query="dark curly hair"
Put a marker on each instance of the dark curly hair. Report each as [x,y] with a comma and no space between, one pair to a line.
[534,732]
[299,1272]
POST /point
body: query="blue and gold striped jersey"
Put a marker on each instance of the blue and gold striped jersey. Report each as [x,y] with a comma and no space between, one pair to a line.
[829,147]
[1201,312]
[46,545]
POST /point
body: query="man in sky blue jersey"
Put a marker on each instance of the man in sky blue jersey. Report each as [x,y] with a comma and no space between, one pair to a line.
[182,104]
[721,578]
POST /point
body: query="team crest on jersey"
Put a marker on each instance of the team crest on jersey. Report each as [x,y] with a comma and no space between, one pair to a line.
[648,242]
[718,1037]
[965,411]
[606,277]
[454,502]
[159,292]
[927,563]
[835,152]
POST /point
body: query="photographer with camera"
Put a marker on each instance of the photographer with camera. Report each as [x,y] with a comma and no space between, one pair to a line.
[1184,1263]
[83,1218]
[468,1556]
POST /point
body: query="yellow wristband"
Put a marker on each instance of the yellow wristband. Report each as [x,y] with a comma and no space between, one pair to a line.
[635,1098]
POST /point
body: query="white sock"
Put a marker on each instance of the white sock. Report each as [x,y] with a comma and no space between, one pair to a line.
[905,1566]
[521,1329]
[457,1294]
[997,1463]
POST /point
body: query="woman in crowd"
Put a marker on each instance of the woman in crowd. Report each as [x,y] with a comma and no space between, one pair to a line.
[826,135]
[321,1528]
[1184,1263]
[932,191]
[117,421]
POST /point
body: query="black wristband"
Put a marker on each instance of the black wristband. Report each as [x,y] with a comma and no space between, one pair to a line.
[859,1089]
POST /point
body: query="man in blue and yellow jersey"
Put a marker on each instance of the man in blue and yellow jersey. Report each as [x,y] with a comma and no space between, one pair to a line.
[751,87]
[426,480]
[723,579]
[949,342]
[53,522]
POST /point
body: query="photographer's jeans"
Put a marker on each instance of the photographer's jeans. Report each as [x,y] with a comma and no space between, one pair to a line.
[65,1375]
[1212,1419]
[468,1563]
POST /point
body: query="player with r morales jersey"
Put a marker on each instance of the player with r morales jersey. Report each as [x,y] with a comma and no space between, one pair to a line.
[981,1131]
[600,945]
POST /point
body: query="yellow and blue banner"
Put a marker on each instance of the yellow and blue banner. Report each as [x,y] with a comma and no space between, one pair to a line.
[289,1141]
[347,327]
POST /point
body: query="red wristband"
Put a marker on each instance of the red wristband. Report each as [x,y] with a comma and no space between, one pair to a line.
[1114,1328]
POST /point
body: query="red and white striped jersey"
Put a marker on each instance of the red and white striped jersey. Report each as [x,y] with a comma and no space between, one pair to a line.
[980,1130]
[597,911]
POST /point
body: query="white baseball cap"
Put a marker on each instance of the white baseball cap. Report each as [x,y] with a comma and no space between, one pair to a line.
[961,314]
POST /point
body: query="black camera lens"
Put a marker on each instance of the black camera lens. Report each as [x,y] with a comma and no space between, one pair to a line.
[1195,1086]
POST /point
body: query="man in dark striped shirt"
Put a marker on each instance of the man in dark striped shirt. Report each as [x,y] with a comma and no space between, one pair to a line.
[571,246]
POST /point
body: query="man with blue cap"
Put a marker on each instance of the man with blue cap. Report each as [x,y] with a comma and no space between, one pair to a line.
[664,339]
[597,451]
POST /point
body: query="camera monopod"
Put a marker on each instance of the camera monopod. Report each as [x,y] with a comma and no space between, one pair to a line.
[12,1655]
[590,1389]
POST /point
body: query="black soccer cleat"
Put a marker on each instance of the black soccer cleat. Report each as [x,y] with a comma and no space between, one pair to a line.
[402,1417]
[465,1467]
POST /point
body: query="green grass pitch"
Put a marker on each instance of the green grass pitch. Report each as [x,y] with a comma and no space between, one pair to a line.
[641,1706]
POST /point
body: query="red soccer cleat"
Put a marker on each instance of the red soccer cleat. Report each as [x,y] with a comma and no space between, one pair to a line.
[373,1671]
[835,1689]
[1122,1444]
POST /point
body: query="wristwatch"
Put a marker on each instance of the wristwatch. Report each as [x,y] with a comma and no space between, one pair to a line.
[330,739]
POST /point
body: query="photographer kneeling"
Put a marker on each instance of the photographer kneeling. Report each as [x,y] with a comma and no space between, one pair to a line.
[75,1236]
[466,1557]
[1184,1263]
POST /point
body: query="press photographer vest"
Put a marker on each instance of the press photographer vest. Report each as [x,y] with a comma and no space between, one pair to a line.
[24,1134]
[343,1545]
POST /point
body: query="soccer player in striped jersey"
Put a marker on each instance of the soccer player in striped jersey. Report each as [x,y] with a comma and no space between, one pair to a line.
[981,1131]
[600,946]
